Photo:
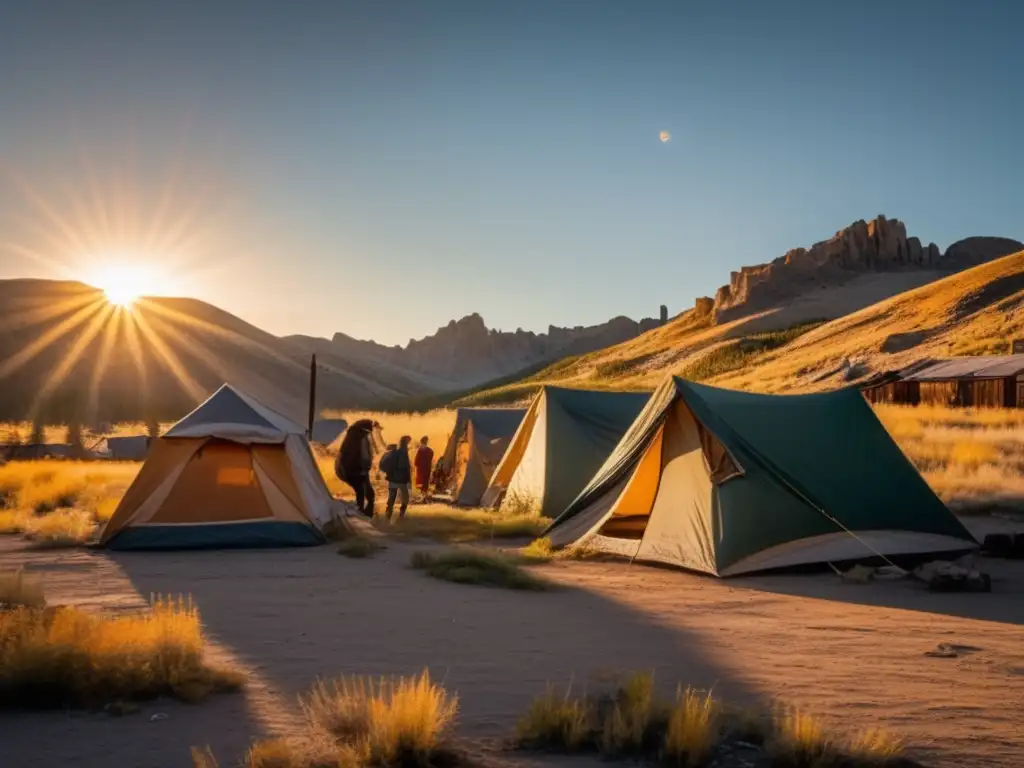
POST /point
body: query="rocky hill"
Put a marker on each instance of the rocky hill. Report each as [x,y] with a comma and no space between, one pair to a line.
[466,352]
[879,245]
[768,310]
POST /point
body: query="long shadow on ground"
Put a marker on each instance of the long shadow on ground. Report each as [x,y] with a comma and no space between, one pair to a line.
[160,734]
[297,615]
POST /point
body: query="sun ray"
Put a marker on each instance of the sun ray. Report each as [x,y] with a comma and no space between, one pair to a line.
[46,261]
[99,206]
[193,345]
[60,372]
[25,318]
[74,240]
[83,221]
[170,360]
[16,361]
[110,334]
[227,334]
[135,348]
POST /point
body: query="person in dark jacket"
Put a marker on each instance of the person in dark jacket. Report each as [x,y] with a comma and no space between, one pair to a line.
[355,458]
[397,469]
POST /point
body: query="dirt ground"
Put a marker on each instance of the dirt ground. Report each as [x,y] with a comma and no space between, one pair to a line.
[855,654]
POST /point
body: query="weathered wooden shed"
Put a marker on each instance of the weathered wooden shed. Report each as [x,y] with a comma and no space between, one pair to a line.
[983,382]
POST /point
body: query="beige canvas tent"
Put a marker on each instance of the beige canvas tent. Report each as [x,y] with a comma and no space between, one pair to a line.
[474,449]
[728,482]
[565,437]
[233,473]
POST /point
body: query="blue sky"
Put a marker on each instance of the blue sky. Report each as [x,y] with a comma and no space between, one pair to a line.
[379,168]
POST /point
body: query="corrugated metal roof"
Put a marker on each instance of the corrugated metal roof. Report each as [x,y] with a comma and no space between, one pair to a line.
[982,367]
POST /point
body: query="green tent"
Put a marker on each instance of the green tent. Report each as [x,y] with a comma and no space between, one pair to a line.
[474,449]
[728,482]
[565,437]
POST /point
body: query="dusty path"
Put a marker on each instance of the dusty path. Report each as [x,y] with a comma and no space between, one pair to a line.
[854,654]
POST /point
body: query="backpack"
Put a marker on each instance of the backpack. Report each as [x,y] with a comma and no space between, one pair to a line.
[387,463]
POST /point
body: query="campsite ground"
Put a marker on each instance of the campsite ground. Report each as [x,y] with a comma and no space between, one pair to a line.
[854,654]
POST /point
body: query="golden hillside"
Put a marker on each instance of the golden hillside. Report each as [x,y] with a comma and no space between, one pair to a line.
[790,349]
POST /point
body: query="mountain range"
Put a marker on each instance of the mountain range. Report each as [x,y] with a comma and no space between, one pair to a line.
[66,354]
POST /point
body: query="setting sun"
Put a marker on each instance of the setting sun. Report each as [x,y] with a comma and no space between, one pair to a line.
[124,284]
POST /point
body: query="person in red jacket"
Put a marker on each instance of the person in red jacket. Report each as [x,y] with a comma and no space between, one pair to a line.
[423,462]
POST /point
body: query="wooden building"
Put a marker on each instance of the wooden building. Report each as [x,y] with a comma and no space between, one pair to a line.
[982,382]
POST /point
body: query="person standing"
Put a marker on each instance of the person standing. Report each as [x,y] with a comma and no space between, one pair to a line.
[397,469]
[423,462]
[355,459]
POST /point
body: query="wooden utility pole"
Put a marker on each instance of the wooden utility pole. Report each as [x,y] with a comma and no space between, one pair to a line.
[312,394]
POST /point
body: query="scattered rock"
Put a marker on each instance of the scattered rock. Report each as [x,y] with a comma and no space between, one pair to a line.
[952,651]
[972,251]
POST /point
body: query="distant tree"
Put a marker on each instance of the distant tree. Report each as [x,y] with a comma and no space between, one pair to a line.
[153,427]
[75,438]
[38,432]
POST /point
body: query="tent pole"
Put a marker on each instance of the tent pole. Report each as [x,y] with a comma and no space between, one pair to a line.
[312,394]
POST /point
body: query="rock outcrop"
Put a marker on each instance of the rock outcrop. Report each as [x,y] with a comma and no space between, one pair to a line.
[972,251]
[879,245]
[466,352]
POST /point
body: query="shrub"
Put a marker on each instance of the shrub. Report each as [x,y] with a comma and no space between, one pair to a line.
[356,721]
[634,718]
[798,738]
[359,547]
[46,496]
[554,722]
[403,720]
[616,368]
[537,551]
[20,589]
[692,728]
[875,747]
[13,520]
[688,732]
[517,503]
[734,355]
[464,566]
[68,657]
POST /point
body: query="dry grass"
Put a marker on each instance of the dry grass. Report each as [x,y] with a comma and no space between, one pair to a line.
[466,566]
[61,503]
[635,720]
[538,551]
[63,528]
[68,657]
[18,589]
[441,522]
[13,520]
[972,458]
[359,547]
[45,485]
[356,721]
[799,740]
[554,722]
[691,730]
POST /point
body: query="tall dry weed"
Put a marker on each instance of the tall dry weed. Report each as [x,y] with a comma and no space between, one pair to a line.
[70,657]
